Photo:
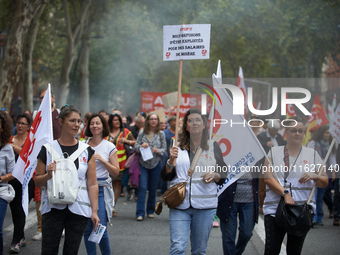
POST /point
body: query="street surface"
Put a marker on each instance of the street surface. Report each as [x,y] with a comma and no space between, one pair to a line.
[152,236]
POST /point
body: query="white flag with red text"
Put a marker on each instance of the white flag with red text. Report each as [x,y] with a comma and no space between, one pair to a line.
[240,147]
[40,133]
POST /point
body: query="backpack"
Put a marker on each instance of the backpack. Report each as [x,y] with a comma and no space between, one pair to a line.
[64,186]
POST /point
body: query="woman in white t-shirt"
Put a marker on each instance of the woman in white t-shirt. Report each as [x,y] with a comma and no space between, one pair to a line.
[106,165]
[302,164]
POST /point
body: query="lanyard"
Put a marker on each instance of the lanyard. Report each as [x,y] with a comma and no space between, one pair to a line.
[287,167]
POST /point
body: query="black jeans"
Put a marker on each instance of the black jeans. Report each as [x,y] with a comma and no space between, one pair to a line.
[18,214]
[274,239]
[53,224]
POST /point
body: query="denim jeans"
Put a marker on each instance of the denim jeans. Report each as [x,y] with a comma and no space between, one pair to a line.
[320,192]
[327,198]
[148,180]
[246,212]
[3,209]
[104,244]
[199,222]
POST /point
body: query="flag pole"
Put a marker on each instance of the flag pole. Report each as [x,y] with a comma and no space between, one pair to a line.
[52,159]
[178,98]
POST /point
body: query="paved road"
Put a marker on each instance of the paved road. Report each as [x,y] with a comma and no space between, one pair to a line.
[151,236]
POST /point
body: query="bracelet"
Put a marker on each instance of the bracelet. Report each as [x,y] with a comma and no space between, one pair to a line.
[7,177]
[169,165]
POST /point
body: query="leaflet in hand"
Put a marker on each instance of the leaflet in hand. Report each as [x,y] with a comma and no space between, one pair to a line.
[96,235]
[146,153]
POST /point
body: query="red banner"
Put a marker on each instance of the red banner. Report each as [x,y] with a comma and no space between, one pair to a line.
[151,101]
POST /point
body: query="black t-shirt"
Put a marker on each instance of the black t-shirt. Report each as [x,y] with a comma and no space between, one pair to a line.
[67,151]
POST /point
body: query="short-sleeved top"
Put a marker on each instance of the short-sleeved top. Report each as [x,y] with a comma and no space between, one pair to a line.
[67,151]
[104,149]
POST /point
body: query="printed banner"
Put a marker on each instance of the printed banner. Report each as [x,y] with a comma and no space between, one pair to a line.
[151,101]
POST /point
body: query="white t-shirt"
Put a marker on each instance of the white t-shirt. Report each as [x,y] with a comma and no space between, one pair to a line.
[104,149]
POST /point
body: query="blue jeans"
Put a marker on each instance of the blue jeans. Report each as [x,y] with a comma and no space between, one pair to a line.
[148,180]
[320,192]
[336,199]
[199,222]
[246,213]
[3,209]
[104,244]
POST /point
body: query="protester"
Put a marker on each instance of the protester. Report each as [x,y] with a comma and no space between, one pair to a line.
[320,141]
[105,115]
[106,165]
[23,125]
[85,124]
[7,162]
[268,139]
[119,136]
[169,133]
[197,211]
[239,199]
[151,137]
[73,217]
[298,182]
[139,125]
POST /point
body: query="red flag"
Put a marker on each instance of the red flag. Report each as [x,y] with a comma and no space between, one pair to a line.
[318,117]
[290,112]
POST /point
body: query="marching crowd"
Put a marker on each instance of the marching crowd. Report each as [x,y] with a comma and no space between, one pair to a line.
[105,149]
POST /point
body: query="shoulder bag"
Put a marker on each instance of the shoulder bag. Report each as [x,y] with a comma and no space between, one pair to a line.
[294,219]
[7,192]
[175,195]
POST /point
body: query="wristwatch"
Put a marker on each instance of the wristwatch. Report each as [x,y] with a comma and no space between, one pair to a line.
[285,192]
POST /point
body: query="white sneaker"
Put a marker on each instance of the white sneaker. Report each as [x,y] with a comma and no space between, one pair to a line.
[37,236]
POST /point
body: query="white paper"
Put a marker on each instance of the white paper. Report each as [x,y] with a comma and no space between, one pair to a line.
[96,235]
[146,153]
[190,41]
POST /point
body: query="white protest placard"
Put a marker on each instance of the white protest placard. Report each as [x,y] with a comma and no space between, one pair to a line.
[182,42]
[334,128]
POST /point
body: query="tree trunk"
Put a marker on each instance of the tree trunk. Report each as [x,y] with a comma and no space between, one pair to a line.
[26,78]
[73,35]
[11,65]
[84,73]
[12,58]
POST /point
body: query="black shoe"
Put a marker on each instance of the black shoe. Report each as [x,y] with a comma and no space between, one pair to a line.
[336,222]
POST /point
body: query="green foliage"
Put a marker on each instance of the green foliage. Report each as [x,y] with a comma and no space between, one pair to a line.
[268,38]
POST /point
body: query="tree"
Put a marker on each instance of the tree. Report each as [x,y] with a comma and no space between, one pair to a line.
[75,17]
[21,13]
[26,74]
